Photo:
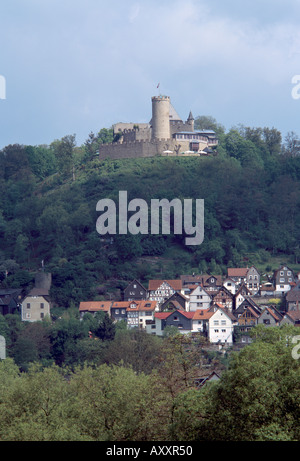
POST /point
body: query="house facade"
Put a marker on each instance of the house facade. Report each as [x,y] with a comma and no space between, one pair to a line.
[10,300]
[199,299]
[293,298]
[175,301]
[221,325]
[253,280]
[35,306]
[179,319]
[270,317]
[93,307]
[160,290]
[140,312]
[284,279]
[134,291]
[224,298]
[250,276]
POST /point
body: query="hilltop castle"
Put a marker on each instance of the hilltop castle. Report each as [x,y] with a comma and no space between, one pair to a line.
[165,134]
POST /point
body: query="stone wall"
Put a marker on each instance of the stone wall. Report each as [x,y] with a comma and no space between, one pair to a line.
[133,149]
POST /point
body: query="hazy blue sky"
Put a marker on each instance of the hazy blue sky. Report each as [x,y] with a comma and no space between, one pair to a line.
[72,67]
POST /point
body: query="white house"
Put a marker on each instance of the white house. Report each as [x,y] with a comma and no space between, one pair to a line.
[230,285]
[199,299]
[200,322]
[220,326]
[36,305]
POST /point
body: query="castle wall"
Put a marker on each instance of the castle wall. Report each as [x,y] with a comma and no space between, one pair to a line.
[132,149]
[179,125]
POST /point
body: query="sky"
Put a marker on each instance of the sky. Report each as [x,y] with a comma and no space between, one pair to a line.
[76,66]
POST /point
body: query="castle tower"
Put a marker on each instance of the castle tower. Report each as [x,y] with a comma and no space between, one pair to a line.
[160,117]
[191,120]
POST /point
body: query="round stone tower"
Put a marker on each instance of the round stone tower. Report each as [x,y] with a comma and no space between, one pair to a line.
[160,117]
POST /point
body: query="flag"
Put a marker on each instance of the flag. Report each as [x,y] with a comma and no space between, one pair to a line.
[158,85]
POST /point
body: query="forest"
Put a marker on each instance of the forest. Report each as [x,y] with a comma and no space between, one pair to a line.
[155,397]
[48,211]
[66,379]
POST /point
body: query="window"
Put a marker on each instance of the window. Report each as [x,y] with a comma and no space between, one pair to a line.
[216,322]
[123,311]
[42,305]
[289,273]
[117,311]
[42,315]
[216,331]
[28,305]
[176,319]
[223,331]
[223,322]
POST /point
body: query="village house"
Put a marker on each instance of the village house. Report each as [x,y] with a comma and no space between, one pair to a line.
[140,312]
[208,282]
[118,310]
[134,291]
[293,298]
[284,279]
[160,290]
[10,300]
[200,321]
[247,314]
[240,295]
[230,285]
[175,301]
[267,289]
[291,318]
[250,276]
[36,305]
[221,326]
[179,319]
[199,299]
[270,316]
[93,307]
[205,378]
[223,297]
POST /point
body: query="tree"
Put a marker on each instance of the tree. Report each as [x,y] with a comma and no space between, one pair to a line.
[64,153]
[106,329]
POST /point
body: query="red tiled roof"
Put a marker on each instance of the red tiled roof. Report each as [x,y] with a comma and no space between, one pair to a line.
[155,284]
[237,272]
[202,314]
[143,305]
[162,315]
[272,313]
[94,306]
[294,315]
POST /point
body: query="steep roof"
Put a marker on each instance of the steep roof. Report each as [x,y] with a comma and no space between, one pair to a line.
[294,293]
